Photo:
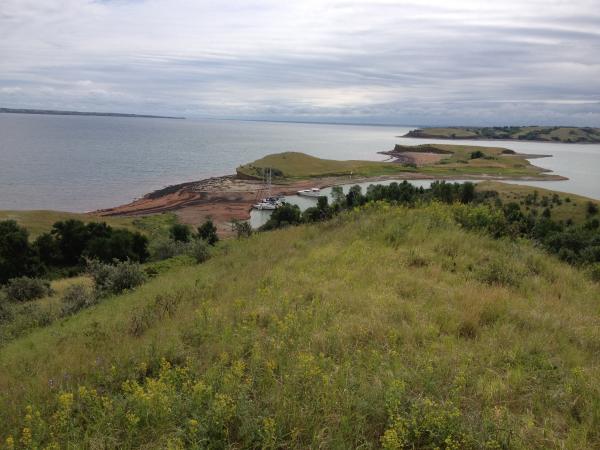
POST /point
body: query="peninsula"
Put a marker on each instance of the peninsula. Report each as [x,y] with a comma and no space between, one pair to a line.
[230,197]
[587,135]
[81,113]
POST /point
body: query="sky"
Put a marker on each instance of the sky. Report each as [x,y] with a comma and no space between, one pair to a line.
[432,62]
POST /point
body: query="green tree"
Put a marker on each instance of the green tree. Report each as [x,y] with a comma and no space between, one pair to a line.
[16,256]
[208,232]
[180,232]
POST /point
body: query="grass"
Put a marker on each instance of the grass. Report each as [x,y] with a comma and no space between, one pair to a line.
[384,327]
[563,206]
[496,161]
[535,133]
[294,165]
[499,162]
[40,221]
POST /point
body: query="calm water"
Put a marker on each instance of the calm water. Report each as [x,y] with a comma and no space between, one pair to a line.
[76,163]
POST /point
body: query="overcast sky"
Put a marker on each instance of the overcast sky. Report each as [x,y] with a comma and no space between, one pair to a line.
[421,62]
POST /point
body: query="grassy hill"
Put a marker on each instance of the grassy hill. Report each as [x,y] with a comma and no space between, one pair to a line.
[301,165]
[458,161]
[384,326]
[532,133]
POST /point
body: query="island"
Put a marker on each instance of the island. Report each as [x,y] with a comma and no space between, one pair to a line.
[81,113]
[587,135]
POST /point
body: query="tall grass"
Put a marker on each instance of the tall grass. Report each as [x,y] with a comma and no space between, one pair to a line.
[382,327]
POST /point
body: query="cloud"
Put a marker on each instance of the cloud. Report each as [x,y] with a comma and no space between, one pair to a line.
[453,62]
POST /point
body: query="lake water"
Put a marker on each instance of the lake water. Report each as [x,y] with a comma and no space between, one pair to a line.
[76,163]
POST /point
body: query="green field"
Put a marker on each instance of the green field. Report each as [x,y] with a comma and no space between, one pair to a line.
[294,165]
[38,222]
[532,133]
[383,327]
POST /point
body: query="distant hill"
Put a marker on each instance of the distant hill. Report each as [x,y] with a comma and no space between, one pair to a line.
[80,113]
[530,133]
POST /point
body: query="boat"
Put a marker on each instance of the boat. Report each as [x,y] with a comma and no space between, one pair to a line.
[269,202]
[314,192]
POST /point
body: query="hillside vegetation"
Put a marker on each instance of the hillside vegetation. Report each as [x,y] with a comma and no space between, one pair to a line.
[383,327]
[301,165]
[532,133]
[38,222]
[563,206]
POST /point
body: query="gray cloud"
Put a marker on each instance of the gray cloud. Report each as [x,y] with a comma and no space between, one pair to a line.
[432,62]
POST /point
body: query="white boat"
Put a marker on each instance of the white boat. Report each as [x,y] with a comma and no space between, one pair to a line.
[314,192]
[269,202]
[265,206]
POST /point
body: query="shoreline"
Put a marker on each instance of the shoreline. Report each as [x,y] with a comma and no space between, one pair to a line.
[227,198]
[478,138]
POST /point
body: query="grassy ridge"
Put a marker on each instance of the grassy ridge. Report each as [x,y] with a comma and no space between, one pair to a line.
[385,326]
[532,133]
[301,165]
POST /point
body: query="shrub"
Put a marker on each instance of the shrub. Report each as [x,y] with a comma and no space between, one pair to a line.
[113,279]
[16,255]
[477,154]
[285,215]
[164,248]
[208,232]
[24,288]
[242,228]
[76,298]
[499,273]
[199,249]
[180,232]
[592,208]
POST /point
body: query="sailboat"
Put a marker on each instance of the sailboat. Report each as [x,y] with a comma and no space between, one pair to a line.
[269,202]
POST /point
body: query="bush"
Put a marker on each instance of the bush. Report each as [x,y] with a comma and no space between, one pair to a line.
[285,215]
[592,208]
[208,232]
[16,255]
[477,154]
[24,288]
[501,273]
[165,248]
[242,228]
[180,232]
[114,279]
[199,249]
[76,298]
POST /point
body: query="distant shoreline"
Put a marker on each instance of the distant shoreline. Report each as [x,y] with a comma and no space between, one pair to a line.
[81,113]
[548,134]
